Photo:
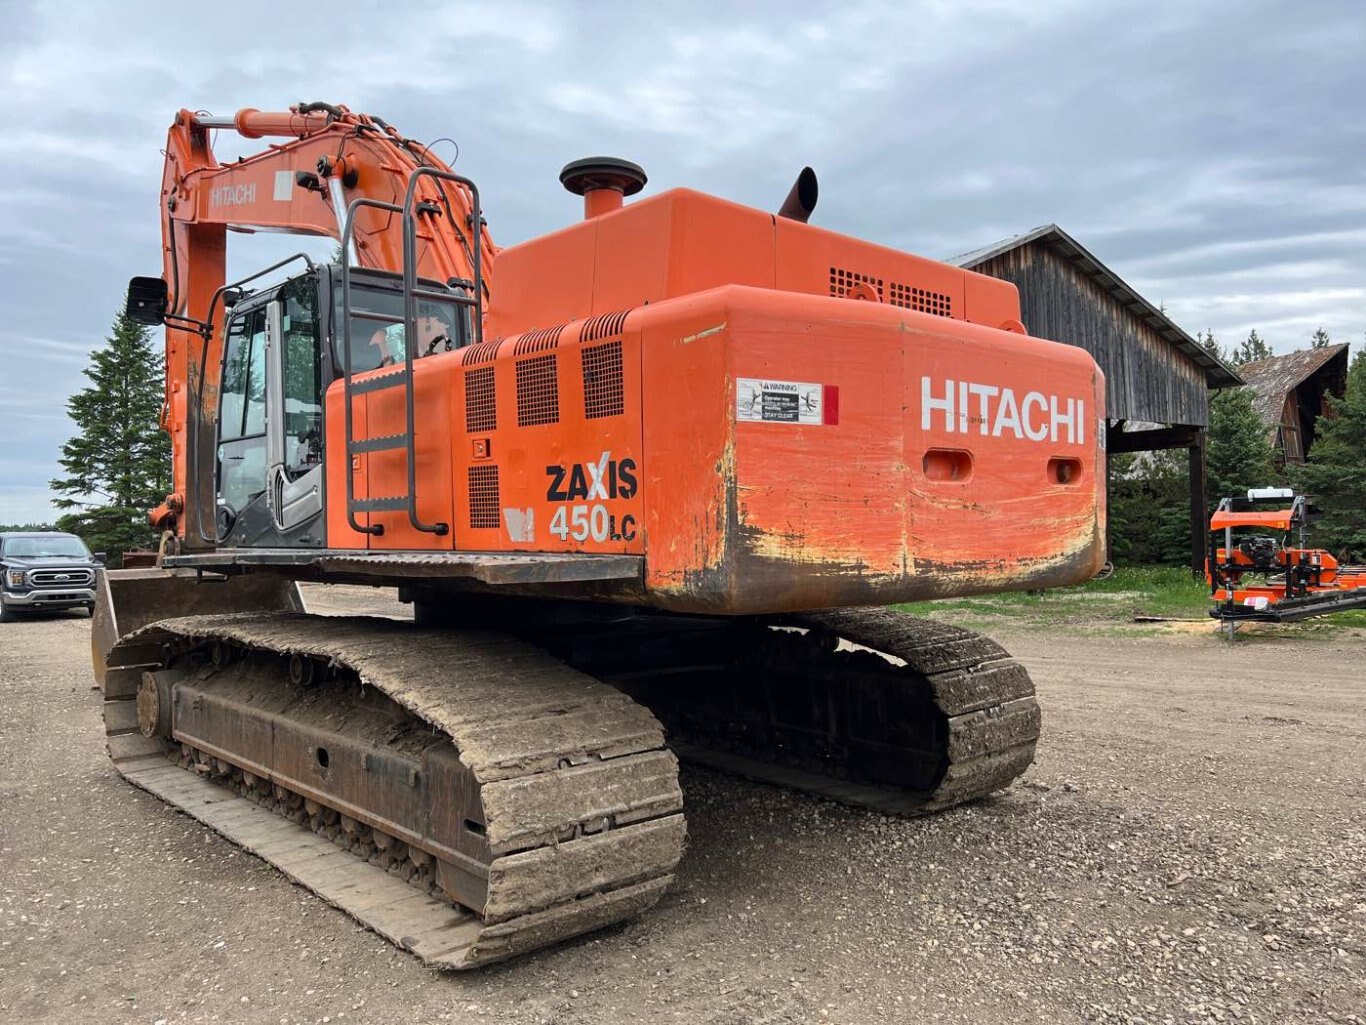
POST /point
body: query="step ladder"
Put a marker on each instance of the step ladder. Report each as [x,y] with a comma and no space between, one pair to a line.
[401,376]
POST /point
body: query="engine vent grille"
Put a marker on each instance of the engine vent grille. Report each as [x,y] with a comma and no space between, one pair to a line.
[484,500]
[538,391]
[481,353]
[537,341]
[481,401]
[602,385]
[921,299]
[603,326]
[842,282]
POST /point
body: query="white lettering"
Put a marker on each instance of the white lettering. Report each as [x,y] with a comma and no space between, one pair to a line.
[597,487]
[1057,418]
[928,403]
[984,392]
[1038,417]
[1033,399]
[1007,415]
[232,195]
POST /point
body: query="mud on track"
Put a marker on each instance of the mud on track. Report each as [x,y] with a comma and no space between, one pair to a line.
[1190,846]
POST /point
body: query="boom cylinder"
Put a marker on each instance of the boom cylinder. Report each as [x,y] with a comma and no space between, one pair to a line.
[251,123]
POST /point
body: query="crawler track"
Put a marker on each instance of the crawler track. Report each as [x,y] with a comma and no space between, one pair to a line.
[867,706]
[491,774]
[493,794]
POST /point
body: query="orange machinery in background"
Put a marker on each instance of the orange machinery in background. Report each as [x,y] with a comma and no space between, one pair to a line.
[1264,576]
[641,478]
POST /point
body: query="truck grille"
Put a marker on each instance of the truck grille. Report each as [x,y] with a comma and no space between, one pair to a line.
[62,577]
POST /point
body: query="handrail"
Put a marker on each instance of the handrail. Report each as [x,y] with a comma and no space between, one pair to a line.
[410,290]
[347,230]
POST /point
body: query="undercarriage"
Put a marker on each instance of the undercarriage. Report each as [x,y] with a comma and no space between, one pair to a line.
[473,793]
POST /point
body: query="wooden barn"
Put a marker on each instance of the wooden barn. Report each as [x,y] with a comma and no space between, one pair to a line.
[1290,391]
[1158,377]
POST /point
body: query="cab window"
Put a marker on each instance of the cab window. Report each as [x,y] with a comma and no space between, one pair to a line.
[242,412]
[303,378]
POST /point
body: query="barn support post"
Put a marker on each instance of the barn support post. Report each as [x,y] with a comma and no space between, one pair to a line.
[1199,512]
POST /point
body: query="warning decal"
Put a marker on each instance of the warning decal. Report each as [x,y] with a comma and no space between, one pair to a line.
[784,402]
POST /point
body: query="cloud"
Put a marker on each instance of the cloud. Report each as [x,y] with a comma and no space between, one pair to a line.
[1212,161]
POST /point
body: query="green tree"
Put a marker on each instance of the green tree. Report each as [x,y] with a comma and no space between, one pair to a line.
[1336,472]
[1148,508]
[1250,350]
[1320,340]
[1238,455]
[1210,345]
[119,464]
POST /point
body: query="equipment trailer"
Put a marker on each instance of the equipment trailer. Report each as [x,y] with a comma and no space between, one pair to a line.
[1263,578]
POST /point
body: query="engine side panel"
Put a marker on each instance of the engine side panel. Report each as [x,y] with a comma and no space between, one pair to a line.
[848,453]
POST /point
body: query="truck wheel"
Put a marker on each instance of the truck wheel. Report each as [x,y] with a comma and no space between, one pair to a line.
[6,616]
[90,609]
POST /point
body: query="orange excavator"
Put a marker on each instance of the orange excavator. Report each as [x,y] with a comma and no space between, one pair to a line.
[650,482]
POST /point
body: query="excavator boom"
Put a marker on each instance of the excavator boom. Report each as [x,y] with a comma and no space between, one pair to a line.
[302,186]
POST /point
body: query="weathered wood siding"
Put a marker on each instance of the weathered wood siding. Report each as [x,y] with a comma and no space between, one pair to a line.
[1147,378]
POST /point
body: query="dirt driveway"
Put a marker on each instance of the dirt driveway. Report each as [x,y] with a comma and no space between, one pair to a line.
[1190,847]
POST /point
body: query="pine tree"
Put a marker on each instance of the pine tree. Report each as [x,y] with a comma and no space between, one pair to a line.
[1252,349]
[1335,475]
[1238,455]
[119,465]
[1210,345]
[1148,508]
[1320,340]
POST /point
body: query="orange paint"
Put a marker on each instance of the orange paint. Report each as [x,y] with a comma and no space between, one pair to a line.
[774,415]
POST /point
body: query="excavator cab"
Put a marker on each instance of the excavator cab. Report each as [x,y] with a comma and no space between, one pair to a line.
[265,426]
[283,346]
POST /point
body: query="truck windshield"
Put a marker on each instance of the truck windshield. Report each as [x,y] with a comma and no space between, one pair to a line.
[45,547]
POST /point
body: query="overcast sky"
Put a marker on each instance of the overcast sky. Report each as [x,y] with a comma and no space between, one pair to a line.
[1212,154]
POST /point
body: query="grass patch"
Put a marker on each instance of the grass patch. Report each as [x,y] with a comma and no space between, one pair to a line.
[1168,591]
[1127,592]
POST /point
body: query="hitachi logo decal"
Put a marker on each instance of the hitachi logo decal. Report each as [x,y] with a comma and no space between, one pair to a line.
[232,195]
[969,408]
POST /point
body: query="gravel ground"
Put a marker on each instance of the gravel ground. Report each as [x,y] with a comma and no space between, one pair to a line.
[1190,847]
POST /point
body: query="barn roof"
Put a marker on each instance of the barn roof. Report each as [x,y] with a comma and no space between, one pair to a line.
[1217,373]
[1274,378]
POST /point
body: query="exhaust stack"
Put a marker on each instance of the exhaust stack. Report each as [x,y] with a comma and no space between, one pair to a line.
[801,199]
[602,182]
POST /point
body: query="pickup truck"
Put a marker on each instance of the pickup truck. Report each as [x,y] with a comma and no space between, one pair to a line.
[45,571]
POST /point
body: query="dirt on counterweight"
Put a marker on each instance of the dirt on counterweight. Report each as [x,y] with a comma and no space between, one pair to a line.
[1189,847]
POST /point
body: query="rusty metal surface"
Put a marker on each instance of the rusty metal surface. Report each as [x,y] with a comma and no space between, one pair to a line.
[126,600]
[474,763]
[485,567]
[346,747]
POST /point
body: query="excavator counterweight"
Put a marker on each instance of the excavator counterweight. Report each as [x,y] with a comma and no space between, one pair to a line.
[650,482]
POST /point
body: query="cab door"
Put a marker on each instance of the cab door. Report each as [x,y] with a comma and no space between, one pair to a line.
[294,415]
[270,450]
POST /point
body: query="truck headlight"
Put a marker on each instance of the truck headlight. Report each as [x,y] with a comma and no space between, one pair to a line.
[14,577]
